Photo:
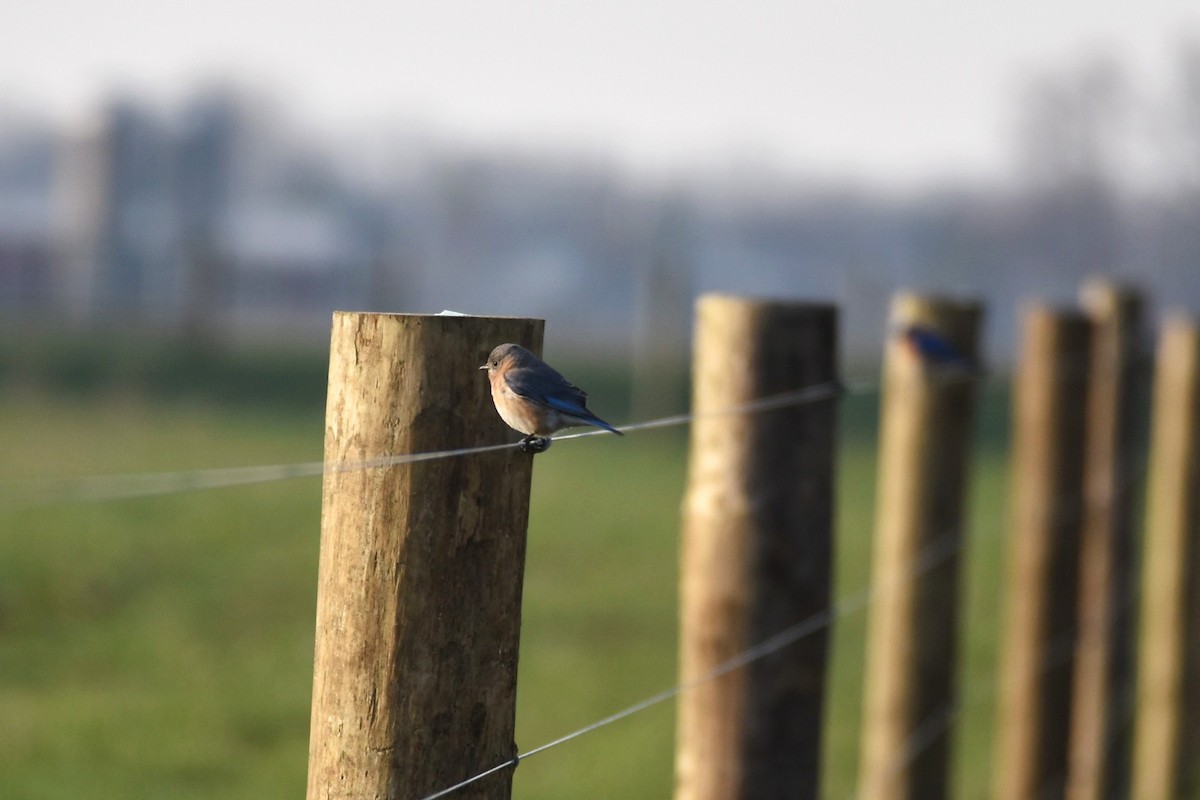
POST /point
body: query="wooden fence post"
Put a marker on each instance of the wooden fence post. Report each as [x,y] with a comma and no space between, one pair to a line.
[1034,702]
[1103,679]
[756,550]
[1167,741]
[909,699]
[419,591]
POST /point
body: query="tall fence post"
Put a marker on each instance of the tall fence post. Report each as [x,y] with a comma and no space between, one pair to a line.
[1167,736]
[1034,702]
[419,587]
[756,550]
[1103,679]
[909,700]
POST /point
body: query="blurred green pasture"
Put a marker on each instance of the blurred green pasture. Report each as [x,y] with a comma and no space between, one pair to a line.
[162,647]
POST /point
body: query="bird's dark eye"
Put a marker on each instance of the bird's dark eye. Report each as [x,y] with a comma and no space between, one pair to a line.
[495,363]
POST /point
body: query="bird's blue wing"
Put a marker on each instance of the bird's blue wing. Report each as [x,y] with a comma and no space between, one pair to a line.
[548,388]
[569,404]
[935,346]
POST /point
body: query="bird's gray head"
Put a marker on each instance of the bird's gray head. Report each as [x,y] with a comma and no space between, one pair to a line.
[513,353]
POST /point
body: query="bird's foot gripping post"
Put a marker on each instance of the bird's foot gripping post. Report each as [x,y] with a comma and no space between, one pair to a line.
[535,444]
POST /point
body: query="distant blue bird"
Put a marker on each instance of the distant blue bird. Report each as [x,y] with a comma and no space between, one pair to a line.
[533,398]
[931,347]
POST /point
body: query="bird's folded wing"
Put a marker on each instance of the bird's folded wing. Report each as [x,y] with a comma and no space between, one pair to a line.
[553,391]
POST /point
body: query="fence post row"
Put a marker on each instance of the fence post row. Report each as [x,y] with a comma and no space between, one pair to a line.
[1103,687]
[927,416]
[756,551]
[419,587]
[1167,736]
[1037,660]
[421,564]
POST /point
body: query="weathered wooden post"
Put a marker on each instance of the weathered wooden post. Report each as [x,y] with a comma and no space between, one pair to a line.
[1103,680]
[419,591]
[1167,736]
[928,410]
[756,552]
[1049,423]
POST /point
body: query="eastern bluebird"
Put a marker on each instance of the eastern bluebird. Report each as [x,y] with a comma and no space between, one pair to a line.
[931,347]
[533,398]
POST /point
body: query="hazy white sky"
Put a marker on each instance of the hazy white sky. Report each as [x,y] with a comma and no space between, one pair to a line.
[886,90]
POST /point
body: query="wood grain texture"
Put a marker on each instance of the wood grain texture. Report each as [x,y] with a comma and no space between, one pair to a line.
[421,565]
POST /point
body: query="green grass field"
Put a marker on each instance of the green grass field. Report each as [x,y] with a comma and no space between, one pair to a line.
[162,647]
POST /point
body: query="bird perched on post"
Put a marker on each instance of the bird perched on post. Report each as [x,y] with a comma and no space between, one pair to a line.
[534,398]
[931,347]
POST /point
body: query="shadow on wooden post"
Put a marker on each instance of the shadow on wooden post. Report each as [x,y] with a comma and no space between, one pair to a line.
[419,591]
[910,693]
[756,552]
[1167,741]
[1049,430]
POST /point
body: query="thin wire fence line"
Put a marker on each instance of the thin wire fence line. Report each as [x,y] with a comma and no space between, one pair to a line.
[1126,708]
[102,488]
[1059,651]
[934,553]
[159,483]
[1126,705]
[922,738]
[128,486]
[1062,648]
[92,489]
[809,394]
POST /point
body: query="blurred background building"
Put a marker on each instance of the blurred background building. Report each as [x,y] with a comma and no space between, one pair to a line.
[216,217]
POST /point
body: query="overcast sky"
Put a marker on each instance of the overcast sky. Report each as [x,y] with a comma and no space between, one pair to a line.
[891,91]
